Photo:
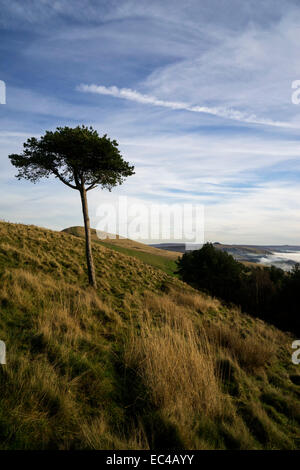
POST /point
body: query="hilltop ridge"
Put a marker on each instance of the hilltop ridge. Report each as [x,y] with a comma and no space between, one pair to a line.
[161,259]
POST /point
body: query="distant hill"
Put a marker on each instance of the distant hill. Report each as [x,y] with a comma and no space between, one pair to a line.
[177,247]
[234,249]
[122,242]
[162,259]
[143,362]
[247,254]
[264,255]
[244,253]
[242,249]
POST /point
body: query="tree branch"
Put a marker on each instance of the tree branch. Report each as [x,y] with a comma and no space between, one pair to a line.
[92,186]
[63,180]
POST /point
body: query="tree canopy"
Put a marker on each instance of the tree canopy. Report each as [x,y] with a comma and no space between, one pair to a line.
[76,156]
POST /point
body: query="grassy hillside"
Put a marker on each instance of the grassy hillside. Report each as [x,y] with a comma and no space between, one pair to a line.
[143,362]
[161,259]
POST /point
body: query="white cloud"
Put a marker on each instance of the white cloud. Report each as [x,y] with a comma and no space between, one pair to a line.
[132,95]
[269,214]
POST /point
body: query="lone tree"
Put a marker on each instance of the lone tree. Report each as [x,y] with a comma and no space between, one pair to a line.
[79,158]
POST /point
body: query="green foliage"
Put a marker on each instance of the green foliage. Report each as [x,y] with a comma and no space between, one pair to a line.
[77,156]
[287,301]
[268,293]
[212,270]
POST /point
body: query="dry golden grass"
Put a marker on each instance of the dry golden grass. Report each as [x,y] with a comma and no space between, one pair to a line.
[109,369]
[249,350]
[176,362]
[96,434]
[199,303]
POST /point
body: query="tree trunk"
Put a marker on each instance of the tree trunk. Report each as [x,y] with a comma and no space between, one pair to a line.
[88,244]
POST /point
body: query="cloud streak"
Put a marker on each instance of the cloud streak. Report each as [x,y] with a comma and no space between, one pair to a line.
[227,113]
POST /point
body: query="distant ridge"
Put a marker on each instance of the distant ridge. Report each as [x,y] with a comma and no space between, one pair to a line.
[247,254]
[233,249]
[122,242]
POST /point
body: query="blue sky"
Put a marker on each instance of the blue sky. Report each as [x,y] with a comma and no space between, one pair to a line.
[198,94]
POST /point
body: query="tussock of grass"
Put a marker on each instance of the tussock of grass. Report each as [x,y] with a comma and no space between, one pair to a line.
[249,350]
[144,362]
[199,303]
[176,363]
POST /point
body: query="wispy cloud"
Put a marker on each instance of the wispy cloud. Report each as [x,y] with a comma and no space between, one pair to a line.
[228,113]
[210,119]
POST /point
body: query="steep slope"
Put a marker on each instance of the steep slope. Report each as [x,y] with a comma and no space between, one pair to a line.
[144,362]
